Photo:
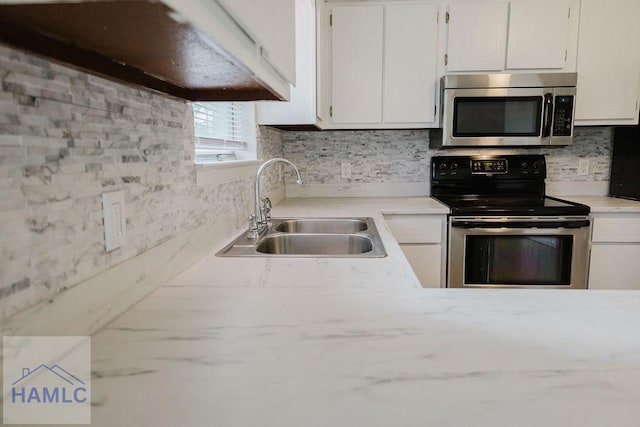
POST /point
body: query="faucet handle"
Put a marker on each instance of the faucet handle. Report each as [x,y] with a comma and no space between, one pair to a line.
[266,208]
[253,227]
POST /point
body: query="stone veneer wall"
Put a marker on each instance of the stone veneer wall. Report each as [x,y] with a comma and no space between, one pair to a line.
[404,156]
[66,137]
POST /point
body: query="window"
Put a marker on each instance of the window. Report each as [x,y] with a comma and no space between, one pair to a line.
[224,131]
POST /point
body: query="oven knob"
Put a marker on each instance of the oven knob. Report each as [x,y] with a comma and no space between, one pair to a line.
[536,165]
[525,165]
[443,166]
[453,166]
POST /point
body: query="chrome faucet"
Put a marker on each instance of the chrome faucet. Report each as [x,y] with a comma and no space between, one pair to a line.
[260,219]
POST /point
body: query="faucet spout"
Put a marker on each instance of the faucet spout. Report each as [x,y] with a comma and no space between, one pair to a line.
[259,215]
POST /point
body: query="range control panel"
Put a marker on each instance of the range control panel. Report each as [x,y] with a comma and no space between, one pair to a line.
[488,167]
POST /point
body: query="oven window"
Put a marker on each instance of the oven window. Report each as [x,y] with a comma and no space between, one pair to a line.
[497,116]
[518,260]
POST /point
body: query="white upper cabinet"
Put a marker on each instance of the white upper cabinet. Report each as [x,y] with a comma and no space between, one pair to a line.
[383,65]
[409,74]
[271,25]
[538,34]
[477,35]
[356,64]
[301,107]
[515,35]
[608,63]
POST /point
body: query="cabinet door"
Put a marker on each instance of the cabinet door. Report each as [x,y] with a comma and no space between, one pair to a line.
[409,63]
[420,238]
[477,34]
[272,24]
[425,262]
[356,85]
[301,107]
[608,63]
[615,266]
[538,34]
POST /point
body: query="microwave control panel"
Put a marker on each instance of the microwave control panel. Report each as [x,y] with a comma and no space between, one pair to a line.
[562,115]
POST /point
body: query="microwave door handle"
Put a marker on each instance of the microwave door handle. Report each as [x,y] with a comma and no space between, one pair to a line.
[547,113]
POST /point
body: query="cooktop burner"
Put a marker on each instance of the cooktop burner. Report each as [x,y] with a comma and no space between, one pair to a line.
[497,185]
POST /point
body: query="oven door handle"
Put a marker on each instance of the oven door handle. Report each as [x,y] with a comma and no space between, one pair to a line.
[520,224]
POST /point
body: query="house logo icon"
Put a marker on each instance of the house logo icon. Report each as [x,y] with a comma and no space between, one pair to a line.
[48,384]
[46,380]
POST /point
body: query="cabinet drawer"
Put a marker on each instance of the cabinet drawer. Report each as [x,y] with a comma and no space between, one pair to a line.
[415,228]
[616,230]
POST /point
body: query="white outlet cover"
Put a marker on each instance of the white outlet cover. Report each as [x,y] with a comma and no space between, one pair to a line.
[345,168]
[114,215]
[583,167]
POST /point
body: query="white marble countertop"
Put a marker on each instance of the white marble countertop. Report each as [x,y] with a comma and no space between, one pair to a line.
[246,342]
[606,204]
[195,356]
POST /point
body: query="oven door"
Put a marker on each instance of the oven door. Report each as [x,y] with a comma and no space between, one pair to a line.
[497,116]
[518,252]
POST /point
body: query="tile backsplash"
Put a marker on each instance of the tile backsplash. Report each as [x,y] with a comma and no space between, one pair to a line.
[403,156]
[376,156]
[66,137]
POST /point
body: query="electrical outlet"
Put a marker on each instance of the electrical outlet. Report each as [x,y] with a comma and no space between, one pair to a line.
[583,167]
[345,167]
[114,219]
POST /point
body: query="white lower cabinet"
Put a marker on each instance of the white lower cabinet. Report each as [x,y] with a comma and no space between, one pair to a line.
[424,262]
[615,252]
[422,239]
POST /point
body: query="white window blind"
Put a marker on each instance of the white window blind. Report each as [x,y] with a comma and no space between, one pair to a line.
[223,131]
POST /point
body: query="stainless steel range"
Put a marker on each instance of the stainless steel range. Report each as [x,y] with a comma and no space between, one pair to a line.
[503,229]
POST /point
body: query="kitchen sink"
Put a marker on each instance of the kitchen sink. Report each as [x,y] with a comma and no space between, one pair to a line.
[311,237]
[328,225]
[315,244]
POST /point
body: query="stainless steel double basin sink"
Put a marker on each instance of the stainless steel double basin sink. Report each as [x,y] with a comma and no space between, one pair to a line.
[312,237]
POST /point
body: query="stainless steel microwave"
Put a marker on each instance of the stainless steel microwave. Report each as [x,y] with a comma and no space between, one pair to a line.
[507,109]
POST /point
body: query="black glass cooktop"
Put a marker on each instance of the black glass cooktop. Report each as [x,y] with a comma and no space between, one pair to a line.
[511,205]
